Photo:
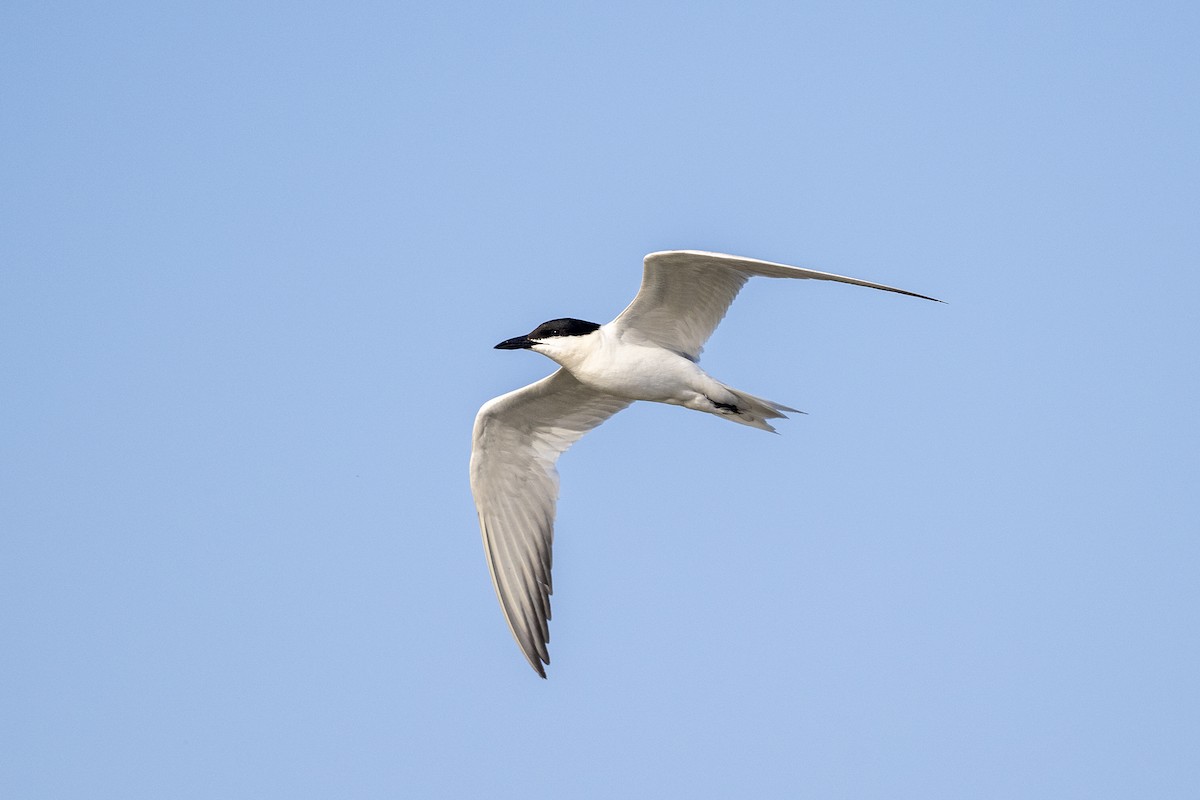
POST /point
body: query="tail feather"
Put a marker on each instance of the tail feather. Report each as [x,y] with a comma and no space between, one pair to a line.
[754,411]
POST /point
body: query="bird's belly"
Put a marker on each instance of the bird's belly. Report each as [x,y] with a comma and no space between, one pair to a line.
[654,374]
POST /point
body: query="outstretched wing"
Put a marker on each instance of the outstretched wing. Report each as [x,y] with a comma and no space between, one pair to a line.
[685,294]
[518,438]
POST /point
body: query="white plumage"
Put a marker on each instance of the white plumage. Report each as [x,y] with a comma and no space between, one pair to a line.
[649,352]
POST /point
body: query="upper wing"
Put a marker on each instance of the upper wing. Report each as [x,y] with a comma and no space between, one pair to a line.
[685,294]
[518,437]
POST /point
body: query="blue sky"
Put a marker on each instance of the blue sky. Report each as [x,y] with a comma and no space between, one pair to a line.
[253,262]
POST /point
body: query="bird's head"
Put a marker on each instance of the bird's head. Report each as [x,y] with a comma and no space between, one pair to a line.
[557,339]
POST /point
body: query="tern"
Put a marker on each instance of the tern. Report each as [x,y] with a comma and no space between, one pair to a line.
[649,352]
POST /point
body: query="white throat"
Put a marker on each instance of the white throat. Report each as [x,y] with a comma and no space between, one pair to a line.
[570,351]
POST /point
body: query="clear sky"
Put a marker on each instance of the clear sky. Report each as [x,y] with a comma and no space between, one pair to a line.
[253,260]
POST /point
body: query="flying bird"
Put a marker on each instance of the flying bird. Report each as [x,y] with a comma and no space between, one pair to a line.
[649,352]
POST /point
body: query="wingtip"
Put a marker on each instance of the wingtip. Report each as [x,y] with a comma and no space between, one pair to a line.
[918,296]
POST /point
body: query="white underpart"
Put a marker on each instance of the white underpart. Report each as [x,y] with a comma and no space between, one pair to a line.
[607,361]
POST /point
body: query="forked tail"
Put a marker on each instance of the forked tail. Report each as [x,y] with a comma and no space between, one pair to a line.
[753,411]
